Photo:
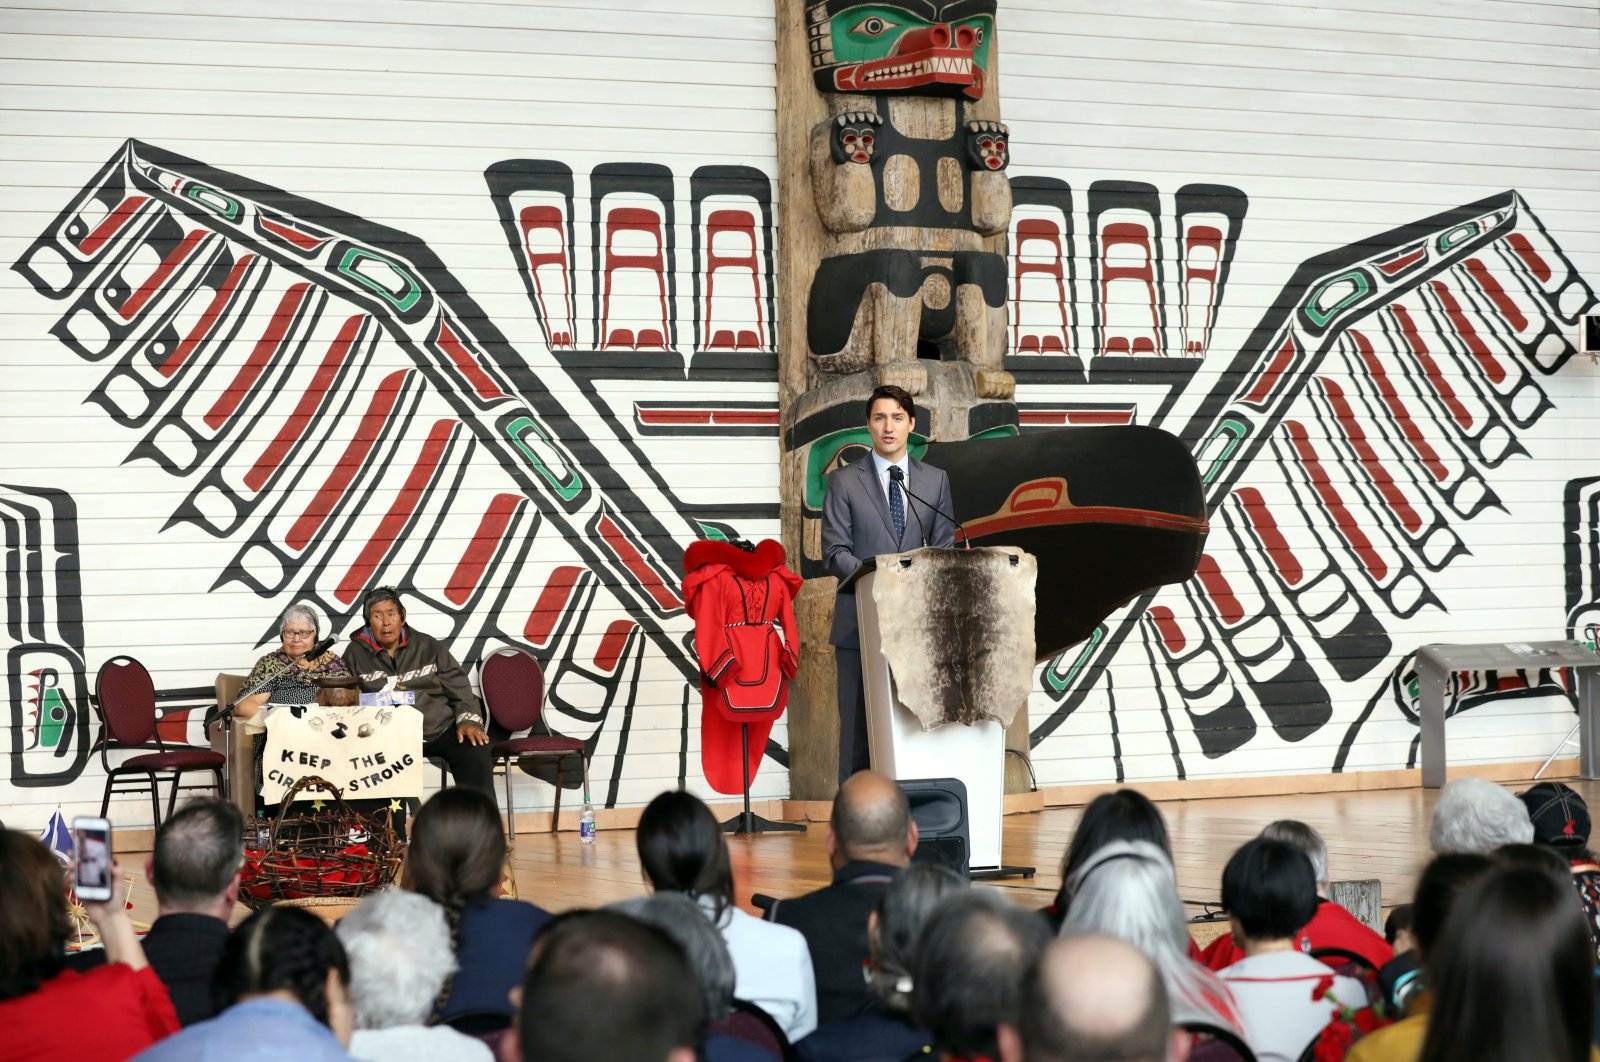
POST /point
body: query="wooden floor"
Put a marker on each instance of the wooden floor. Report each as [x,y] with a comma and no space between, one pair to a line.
[1379,834]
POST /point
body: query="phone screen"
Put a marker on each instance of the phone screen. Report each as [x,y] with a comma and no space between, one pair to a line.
[92,866]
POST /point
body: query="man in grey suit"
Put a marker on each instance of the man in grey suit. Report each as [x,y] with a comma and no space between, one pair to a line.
[869,510]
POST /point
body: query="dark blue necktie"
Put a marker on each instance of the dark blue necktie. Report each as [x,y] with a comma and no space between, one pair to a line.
[897,502]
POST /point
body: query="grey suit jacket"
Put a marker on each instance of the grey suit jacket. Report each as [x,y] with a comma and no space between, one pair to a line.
[856,527]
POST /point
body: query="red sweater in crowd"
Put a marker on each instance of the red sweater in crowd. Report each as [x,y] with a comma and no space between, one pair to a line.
[106,1015]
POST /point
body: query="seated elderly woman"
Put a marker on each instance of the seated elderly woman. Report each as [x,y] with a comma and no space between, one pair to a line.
[399,948]
[42,1004]
[285,676]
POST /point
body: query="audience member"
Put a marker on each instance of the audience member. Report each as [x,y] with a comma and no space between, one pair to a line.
[682,849]
[966,974]
[1475,815]
[1511,977]
[456,858]
[728,1036]
[42,1004]
[1397,929]
[1331,926]
[1270,892]
[603,987]
[885,1032]
[389,652]
[1121,815]
[1401,981]
[1128,890]
[194,871]
[1093,998]
[398,945]
[1561,822]
[871,836]
[283,990]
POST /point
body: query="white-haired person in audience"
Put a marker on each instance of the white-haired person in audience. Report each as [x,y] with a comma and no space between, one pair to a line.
[1475,815]
[1128,890]
[398,944]
[1330,927]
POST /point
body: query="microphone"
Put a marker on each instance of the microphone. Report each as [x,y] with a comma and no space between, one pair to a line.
[897,474]
[320,648]
[966,541]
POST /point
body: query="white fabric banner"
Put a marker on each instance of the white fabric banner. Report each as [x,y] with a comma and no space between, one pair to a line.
[367,752]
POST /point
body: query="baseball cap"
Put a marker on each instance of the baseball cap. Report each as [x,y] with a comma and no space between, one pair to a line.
[1560,817]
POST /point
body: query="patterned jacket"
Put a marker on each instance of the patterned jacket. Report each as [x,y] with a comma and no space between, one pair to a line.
[424,666]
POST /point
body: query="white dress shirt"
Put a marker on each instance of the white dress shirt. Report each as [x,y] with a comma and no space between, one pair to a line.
[882,466]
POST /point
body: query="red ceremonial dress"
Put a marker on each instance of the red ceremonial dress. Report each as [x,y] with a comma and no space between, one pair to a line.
[739,600]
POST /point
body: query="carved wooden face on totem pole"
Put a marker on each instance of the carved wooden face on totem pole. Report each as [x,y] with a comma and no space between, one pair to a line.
[908,179]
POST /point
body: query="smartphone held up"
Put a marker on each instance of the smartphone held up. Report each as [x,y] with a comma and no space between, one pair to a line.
[92,865]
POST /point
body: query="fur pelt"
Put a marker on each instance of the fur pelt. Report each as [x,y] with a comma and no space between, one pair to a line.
[768,556]
[957,630]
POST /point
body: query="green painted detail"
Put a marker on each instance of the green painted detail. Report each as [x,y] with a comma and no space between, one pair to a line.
[213,200]
[713,534]
[871,31]
[999,431]
[1236,431]
[825,450]
[1465,231]
[565,489]
[1360,288]
[1053,676]
[52,717]
[1413,690]
[349,266]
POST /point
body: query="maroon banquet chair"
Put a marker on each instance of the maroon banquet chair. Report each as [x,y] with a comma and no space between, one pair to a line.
[125,701]
[513,694]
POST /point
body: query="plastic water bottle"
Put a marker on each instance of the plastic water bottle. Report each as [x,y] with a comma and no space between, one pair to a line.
[586,821]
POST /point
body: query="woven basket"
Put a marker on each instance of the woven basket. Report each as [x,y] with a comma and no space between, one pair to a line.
[337,854]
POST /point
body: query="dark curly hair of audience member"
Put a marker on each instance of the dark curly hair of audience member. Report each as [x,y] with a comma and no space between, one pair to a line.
[1512,973]
[682,849]
[281,948]
[33,896]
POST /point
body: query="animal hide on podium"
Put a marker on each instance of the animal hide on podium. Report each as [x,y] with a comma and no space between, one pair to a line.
[742,603]
[957,629]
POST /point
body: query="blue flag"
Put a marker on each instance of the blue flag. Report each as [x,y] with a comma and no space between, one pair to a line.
[58,838]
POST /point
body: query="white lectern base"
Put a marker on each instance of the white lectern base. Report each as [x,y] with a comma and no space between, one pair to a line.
[902,749]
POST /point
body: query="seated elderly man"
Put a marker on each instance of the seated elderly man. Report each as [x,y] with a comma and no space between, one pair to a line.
[389,651]
[398,944]
[1093,998]
[1475,815]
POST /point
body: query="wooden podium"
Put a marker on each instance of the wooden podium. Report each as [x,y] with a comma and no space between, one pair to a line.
[946,661]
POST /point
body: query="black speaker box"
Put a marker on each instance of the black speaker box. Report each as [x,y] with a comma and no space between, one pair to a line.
[939,808]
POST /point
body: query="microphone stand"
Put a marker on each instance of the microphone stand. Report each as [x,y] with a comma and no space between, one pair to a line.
[224,717]
[966,540]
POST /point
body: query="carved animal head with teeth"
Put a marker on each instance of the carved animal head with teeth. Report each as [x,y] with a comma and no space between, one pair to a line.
[916,47]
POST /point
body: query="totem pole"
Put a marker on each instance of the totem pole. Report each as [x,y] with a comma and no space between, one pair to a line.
[895,209]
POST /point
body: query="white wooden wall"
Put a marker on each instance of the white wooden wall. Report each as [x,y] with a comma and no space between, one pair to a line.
[1336,123]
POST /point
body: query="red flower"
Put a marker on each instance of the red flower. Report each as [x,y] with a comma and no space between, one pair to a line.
[1366,1020]
[1324,986]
